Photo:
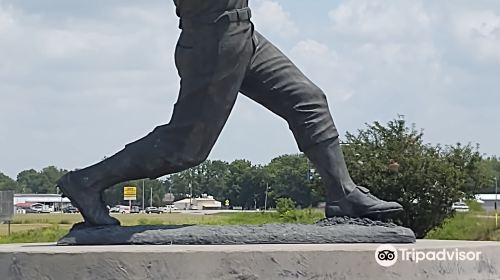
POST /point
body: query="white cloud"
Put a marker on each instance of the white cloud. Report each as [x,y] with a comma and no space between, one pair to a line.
[388,46]
[313,51]
[380,19]
[479,32]
[323,65]
[270,17]
[86,77]
[67,43]
[66,78]
[429,60]
[6,20]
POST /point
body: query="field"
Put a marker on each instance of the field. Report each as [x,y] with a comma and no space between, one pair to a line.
[50,227]
[28,228]
[468,226]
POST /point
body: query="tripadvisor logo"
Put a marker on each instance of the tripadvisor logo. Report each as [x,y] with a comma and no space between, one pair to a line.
[387,255]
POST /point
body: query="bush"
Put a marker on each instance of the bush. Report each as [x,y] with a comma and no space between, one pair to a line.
[475,206]
[285,205]
[288,213]
[395,164]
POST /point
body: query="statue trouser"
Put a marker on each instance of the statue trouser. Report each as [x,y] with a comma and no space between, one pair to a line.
[215,63]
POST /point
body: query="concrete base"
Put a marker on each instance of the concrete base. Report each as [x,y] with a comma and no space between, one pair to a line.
[250,262]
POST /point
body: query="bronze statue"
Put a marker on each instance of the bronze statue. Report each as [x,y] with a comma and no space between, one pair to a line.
[218,55]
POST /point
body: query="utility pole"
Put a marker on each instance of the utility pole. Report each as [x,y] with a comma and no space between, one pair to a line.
[172,202]
[496,202]
[265,199]
[151,198]
[61,204]
[142,194]
[190,196]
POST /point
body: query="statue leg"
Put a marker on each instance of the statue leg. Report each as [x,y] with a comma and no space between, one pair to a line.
[212,63]
[277,84]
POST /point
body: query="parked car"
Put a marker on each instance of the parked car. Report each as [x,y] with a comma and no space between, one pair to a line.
[120,209]
[135,209]
[70,209]
[153,210]
[25,210]
[41,208]
[460,207]
[168,208]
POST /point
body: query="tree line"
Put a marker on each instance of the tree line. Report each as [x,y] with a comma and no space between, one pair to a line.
[391,159]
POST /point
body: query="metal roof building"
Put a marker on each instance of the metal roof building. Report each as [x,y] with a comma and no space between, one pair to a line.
[487,200]
[198,203]
[54,201]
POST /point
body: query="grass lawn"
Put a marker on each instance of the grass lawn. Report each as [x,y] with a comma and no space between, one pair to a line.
[474,225]
[27,228]
[16,228]
[467,226]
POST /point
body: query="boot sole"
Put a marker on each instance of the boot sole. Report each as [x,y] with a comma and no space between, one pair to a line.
[336,211]
[65,187]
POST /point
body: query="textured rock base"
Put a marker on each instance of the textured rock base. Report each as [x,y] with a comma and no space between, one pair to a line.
[240,262]
[337,230]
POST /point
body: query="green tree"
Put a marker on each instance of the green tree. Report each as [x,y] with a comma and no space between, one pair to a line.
[206,178]
[290,176]
[216,175]
[244,184]
[32,181]
[239,181]
[491,166]
[52,174]
[7,183]
[114,195]
[393,161]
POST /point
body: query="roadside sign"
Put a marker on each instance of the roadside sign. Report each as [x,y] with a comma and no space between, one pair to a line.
[6,205]
[130,193]
[226,203]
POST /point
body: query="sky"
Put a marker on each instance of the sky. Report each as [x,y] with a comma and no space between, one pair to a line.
[80,79]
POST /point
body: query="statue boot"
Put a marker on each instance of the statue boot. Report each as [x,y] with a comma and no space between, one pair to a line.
[344,197]
[85,188]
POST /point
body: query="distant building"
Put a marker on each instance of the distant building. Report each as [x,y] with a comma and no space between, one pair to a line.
[198,203]
[50,201]
[487,201]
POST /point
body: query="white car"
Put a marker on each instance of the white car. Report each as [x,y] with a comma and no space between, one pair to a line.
[169,208]
[122,209]
[41,208]
[460,207]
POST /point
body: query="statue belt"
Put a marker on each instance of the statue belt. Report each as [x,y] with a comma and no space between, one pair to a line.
[236,15]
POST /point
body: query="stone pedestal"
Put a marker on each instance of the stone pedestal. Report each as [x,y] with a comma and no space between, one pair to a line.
[327,231]
[250,262]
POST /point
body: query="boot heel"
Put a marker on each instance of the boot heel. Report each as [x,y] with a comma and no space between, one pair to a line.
[333,211]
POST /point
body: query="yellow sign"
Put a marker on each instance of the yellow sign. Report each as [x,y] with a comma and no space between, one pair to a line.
[226,203]
[129,193]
